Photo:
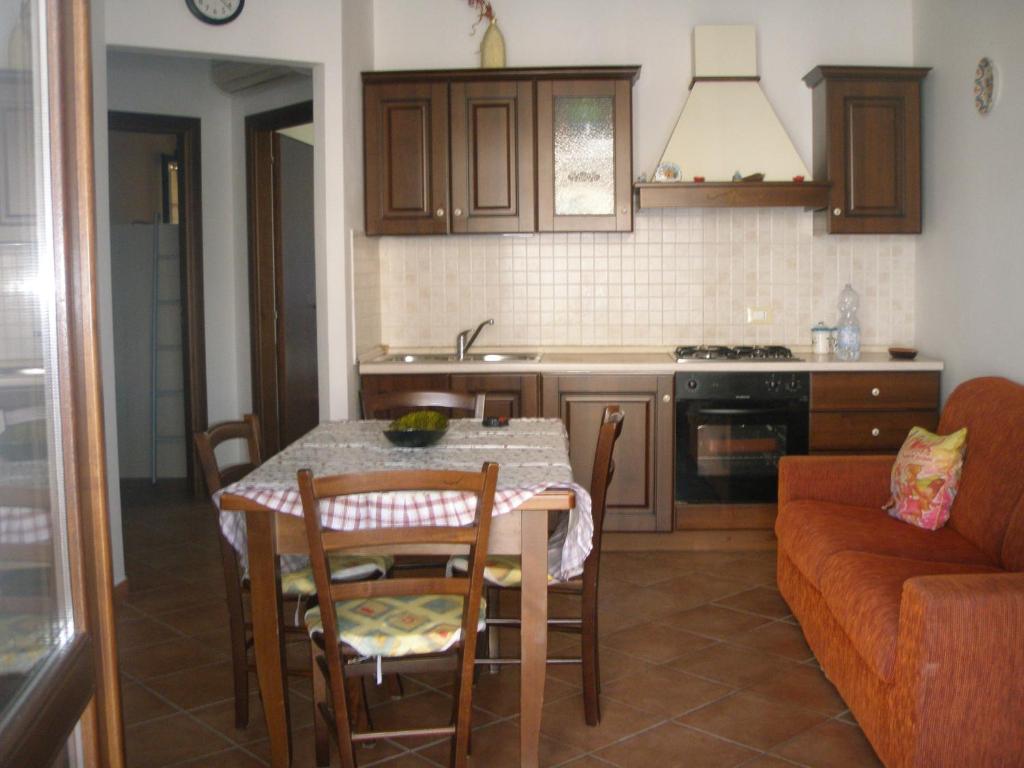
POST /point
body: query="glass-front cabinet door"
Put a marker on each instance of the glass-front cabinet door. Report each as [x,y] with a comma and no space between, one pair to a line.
[55,655]
[584,156]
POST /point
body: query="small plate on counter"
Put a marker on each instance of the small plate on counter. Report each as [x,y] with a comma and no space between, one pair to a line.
[902,353]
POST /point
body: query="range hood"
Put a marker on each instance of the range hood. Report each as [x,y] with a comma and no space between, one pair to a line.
[727,125]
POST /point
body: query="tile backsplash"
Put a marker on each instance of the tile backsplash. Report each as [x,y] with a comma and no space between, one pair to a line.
[685,276]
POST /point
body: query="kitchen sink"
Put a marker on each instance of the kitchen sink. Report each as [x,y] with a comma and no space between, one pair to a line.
[472,357]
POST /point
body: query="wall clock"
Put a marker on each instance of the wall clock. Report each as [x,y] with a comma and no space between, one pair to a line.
[215,11]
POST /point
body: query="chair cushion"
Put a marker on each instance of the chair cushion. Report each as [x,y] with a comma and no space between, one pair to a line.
[925,477]
[343,568]
[499,570]
[397,626]
[810,532]
[863,591]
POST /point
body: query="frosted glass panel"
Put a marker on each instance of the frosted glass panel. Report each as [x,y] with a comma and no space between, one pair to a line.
[584,156]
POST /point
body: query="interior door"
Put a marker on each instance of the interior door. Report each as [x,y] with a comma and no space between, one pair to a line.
[299,404]
[282,273]
[59,694]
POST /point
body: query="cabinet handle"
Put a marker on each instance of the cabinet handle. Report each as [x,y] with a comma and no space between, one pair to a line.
[439,213]
[875,392]
[624,211]
[876,432]
[457,211]
[666,398]
[837,211]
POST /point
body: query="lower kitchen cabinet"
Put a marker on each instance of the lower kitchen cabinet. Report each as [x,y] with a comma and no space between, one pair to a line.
[516,396]
[640,496]
[512,395]
[870,412]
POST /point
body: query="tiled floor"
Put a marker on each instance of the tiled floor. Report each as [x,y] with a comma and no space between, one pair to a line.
[702,666]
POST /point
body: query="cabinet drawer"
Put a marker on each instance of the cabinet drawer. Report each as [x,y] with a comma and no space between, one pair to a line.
[880,391]
[862,432]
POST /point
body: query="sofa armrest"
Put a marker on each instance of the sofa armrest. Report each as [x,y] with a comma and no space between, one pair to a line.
[960,654]
[861,481]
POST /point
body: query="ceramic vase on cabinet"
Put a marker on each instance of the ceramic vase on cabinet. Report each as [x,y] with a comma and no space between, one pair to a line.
[492,48]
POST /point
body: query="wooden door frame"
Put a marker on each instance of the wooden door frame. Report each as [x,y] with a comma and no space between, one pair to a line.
[188,132]
[80,682]
[263,194]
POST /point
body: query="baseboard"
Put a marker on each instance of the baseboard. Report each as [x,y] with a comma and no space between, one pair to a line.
[690,541]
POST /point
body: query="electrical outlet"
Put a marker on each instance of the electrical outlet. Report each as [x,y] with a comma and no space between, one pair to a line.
[759,315]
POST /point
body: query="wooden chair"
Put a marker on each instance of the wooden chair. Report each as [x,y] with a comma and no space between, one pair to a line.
[295,586]
[388,405]
[339,628]
[505,573]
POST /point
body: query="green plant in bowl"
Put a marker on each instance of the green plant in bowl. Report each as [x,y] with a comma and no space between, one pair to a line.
[417,429]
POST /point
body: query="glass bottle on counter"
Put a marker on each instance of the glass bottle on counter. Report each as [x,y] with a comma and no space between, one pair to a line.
[848,327]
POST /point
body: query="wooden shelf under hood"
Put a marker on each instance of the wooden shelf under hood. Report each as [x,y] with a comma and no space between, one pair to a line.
[732,194]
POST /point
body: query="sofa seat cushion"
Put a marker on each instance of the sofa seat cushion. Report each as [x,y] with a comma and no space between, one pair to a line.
[810,532]
[863,592]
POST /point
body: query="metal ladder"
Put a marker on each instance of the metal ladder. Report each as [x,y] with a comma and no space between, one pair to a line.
[156,393]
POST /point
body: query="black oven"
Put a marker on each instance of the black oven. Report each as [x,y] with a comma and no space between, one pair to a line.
[731,431]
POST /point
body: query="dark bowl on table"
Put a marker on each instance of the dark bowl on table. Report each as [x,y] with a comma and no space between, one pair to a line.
[414,438]
[417,429]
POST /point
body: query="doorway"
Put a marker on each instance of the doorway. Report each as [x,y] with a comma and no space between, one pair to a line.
[282,273]
[157,294]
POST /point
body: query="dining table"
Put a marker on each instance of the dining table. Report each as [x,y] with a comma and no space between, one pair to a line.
[261,516]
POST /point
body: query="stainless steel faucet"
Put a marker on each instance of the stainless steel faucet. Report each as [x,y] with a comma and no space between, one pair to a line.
[462,345]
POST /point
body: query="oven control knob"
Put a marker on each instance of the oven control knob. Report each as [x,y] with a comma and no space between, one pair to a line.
[772,384]
[691,384]
[793,385]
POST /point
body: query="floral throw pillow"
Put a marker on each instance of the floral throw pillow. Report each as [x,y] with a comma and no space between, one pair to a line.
[926,476]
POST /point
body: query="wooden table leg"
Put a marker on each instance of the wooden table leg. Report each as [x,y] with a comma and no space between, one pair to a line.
[268,637]
[534,633]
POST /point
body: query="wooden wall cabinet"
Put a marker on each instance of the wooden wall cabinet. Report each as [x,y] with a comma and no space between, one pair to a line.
[458,151]
[870,412]
[867,144]
[584,156]
[513,395]
[640,498]
[492,156]
[405,130]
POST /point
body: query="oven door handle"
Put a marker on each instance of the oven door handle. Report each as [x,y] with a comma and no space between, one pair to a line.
[739,411]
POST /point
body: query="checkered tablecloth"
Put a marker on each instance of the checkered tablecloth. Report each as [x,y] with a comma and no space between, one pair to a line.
[532,454]
[25,516]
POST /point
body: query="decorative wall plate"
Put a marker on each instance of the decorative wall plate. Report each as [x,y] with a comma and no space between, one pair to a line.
[668,172]
[984,86]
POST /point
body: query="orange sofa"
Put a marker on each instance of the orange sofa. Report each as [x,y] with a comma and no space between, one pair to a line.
[922,632]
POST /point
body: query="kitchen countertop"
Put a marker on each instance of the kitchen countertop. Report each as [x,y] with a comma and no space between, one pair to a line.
[613,360]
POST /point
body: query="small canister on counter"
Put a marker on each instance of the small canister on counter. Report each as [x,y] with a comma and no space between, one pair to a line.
[823,339]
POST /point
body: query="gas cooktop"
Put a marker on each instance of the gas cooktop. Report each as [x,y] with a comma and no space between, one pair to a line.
[738,354]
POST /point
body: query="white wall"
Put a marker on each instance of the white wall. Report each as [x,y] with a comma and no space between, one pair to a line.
[969,284]
[307,33]
[793,37]
[182,87]
[358,54]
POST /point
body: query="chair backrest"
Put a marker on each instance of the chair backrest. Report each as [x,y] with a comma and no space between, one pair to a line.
[206,443]
[601,477]
[389,405]
[470,587]
[992,484]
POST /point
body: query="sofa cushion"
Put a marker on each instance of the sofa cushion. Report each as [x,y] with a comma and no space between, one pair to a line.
[812,531]
[863,592]
[992,409]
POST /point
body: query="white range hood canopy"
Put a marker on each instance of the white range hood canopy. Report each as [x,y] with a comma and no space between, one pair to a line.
[727,124]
